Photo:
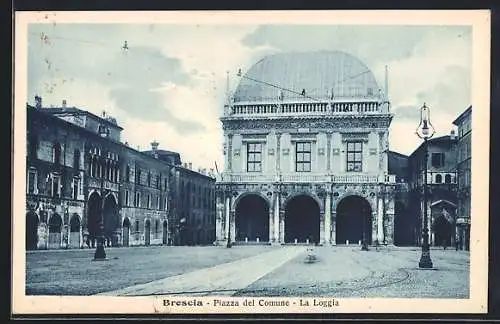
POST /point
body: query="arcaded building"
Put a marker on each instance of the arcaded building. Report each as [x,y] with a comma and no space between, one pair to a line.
[83,182]
[305,154]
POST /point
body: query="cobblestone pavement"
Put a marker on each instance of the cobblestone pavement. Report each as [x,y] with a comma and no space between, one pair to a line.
[250,271]
[72,272]
[349,272]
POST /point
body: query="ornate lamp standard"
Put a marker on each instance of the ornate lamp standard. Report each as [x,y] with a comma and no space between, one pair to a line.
[425,131]
[229,244]
[364,245]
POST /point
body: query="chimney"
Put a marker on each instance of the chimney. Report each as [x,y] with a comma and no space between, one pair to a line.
[453,136]
[64,103]
[190,166]
[154,148]
[38,101]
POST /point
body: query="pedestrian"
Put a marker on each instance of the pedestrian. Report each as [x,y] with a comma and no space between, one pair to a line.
[444,244]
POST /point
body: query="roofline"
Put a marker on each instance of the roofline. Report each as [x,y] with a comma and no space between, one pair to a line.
[83,112]
[84,130]
[462,115]
[433,140]
[397,153]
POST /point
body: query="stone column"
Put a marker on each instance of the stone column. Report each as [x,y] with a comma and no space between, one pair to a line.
[322,227]
[375,219]
[227,212]
[389,221]
[281,225]
[328,216]
[380,219]
[276,221]
[334,228]
[229,152]
[271,224]
[219,230]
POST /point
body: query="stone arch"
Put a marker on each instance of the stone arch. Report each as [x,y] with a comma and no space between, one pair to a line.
[126,231]
[247,193]
[74,231]
[252,218]
[32,221]
[311,195]
[353,220]
[111,219]
[55,229]
[369,197]
[94,216]
[302,219]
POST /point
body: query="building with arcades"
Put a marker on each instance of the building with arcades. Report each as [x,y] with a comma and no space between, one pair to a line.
[305,148]
[83,182]
[441,189]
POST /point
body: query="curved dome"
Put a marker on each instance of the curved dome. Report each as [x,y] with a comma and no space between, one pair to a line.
[318,73]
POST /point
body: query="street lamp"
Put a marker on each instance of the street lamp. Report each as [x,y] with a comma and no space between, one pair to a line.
[100,254]
[425,131]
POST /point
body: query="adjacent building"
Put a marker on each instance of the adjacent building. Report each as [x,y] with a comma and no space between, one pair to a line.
[83,182]
[306,154]
[464,154]
[441,188]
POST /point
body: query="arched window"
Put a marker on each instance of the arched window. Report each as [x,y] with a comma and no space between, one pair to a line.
[56,157]
[447,178]
[439,178]
[76,159]
[149,179]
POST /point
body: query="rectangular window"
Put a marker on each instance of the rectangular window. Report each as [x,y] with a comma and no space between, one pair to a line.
[354,156]
[165,206]
[303,157]
[127,198]
[437,160]
[254,157]
[76,187]
[137,200]
[32,179]
[56,186]
[149,201]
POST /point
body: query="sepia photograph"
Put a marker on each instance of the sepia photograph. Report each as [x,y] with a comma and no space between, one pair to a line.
[250,162]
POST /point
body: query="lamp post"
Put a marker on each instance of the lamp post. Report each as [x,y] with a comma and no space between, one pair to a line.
[364,245]
[100,253]
[425,131]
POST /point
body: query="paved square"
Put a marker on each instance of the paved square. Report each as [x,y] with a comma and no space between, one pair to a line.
[250,271]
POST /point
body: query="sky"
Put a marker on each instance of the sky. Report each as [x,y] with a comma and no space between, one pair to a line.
[170,83]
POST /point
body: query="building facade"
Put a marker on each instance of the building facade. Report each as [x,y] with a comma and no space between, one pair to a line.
[305,148]
[83,182]
[441,192]
[464,157]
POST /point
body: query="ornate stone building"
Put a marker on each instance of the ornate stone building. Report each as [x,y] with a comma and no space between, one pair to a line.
[83,182]
[305,147]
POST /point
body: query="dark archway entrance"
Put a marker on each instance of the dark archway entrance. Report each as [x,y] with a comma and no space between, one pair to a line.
[252,219]
[31,231]
[94,217]
[302,220]
[55,227]
[111,220]
[165,233]
[443,231]
[404,226]
[354,217]
[74,231]
[147,232]
[126,232]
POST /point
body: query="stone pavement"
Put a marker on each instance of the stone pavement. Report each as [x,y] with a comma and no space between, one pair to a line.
[223,279]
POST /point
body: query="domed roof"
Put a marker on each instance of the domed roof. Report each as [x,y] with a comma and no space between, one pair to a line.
[318,73]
